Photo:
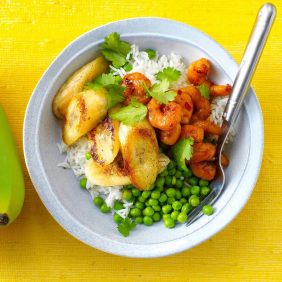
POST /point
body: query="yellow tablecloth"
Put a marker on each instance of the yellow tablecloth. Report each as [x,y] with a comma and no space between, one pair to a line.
[35,247]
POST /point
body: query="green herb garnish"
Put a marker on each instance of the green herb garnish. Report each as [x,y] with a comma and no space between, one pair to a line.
[204,90]
[182,151]
[169,73]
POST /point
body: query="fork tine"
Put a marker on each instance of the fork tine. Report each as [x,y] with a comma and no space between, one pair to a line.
[197,212]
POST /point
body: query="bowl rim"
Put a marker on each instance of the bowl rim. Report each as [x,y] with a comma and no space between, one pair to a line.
[38,177]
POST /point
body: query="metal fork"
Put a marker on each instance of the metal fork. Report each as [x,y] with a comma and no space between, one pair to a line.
[241,85]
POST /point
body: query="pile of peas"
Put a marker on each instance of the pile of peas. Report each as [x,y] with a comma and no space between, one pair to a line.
[174,194]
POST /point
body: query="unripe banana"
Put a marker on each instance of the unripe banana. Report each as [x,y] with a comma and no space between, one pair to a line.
[11,177]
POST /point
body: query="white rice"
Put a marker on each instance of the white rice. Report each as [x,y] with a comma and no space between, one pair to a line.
[75,154]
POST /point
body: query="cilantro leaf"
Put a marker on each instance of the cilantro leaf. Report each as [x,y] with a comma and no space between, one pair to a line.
[204,90]
[125,226]
[114,94]
[108,81]
[115,50]
[160,92]
[182,151]
[169,73]
[130,114]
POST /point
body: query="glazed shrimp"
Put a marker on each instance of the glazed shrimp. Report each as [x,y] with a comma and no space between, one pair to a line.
[164,116]
[224,160]
[220,90]
[201,104]
[185,101]
[170,137]
[134,87]
[208,126]
[205,170]
[198,71]
[203,152]
[197,133]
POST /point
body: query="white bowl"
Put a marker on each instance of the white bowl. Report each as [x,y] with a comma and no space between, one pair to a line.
[59,189]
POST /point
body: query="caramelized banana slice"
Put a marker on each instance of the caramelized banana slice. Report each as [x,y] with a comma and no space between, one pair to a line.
[75,84]
[113,174]
[139,148]
[105,141]
[85,110]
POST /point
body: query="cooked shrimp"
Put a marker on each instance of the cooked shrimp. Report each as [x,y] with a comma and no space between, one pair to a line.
[198,71]
[203,152]
[224,160]
[201,105]
[134,87]
[208,126]
[185,101]
[205,170]
[220,90]
[164,116]
[170,137]
[197,133]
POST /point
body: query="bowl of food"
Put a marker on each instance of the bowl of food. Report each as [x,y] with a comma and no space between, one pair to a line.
[120,136]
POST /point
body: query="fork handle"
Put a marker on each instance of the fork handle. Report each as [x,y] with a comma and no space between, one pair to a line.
[248,65]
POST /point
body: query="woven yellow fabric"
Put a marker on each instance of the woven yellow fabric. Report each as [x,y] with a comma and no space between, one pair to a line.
[36,248]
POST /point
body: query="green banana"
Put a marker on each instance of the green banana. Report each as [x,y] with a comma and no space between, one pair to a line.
[12,188]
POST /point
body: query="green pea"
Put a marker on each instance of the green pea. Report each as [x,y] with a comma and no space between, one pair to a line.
[151,53]
[98,201]
[117,218]
[170,192]
[169,223]
[178,195]
[203,183]
[139,219]
[126,195]
[83,182]
[170,200]
[193,180]
[147,220]
[195,190]
[164,173]
[171,165]
[156,208]
[105,209]
[146,194]
[153,202]
[183,201]
[128,187]
[127,67]
[187,173]
[205,190]
[207,210]
[166,209]
[178,174]
[186,208]
[194,201]
[140,205]
[174,215]
[155,195]
[165,216]
[185,191]
[182,217]
[88,156]
[136,192]
[160,189]
[118,205]
[156,216]
[160,181]
[141,199]
[172,171]
[168,180]
[177,205]
[148,211]
[163,198]
[179,183]
[147,204]
[173,180]
[135,212]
